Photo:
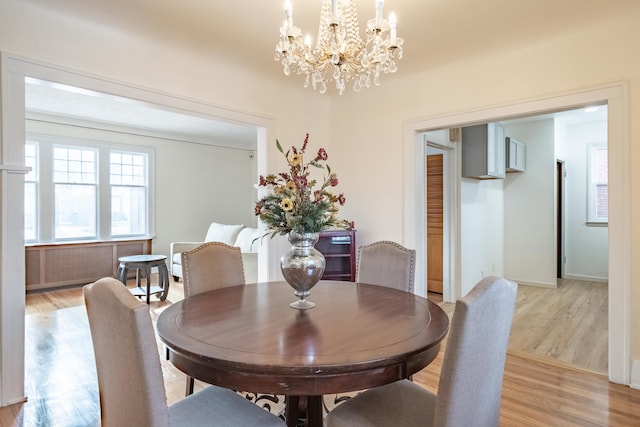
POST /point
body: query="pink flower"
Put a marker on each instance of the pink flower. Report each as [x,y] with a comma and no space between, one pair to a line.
[341,199]
[333,180]
[322,155]
[301,181]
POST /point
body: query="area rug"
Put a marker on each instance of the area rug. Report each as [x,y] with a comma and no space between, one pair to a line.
[275,403]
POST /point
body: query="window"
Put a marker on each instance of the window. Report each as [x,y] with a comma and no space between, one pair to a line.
[75,192]
[598,184]
[85,190]
[128,172]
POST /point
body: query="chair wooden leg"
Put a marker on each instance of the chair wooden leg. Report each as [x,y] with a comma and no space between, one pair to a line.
[190,385]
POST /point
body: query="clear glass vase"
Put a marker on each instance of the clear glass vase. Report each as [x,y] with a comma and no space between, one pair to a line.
[302,267]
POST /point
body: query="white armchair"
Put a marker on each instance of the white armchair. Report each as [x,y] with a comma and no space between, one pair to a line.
[234,235]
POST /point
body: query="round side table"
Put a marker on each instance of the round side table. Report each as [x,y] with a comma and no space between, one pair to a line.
[144,263]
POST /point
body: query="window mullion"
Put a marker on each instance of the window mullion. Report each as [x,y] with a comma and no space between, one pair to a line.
[46,213]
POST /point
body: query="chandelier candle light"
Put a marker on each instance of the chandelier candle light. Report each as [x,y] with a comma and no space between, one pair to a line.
[339,53]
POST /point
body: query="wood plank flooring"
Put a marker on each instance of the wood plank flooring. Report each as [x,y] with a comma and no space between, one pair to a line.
[567,324]
[537,391]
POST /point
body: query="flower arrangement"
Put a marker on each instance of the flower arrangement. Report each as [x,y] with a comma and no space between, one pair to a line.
[294,204]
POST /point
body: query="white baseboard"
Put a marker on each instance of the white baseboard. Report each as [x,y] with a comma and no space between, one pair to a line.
[530,283]
[635,374]
[587,278]
[14,401]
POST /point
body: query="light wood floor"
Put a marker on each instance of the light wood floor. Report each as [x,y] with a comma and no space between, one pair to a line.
[537,391]
[568,324]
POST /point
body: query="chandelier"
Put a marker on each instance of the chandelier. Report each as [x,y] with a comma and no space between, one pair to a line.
[339,53]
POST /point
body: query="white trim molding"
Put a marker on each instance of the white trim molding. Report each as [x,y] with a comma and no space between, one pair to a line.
[635,375]
[21,169]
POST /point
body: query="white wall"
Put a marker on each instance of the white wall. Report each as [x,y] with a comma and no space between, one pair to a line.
[586,247]
[529,207]
[204,183]
[482,230]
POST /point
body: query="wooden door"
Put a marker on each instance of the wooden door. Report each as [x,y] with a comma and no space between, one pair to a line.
[434,222]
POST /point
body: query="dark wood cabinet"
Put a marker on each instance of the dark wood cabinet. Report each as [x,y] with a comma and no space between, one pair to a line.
[339,250]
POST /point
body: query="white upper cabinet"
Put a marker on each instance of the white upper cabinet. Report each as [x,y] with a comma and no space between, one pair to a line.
[483,151]
[515,155]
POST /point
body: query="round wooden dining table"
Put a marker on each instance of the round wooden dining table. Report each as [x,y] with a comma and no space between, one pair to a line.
[247,338]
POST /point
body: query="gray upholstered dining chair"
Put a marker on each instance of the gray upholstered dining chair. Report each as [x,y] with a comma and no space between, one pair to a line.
[386,263]
[470,384]
[210,266]
[131,385]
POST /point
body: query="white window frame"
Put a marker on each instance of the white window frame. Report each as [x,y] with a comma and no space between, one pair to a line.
[45,188]
[133,184]
[80,181]
[33,178]
[592,194]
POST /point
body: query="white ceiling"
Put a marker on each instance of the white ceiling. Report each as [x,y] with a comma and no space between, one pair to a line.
[60,103]
[569,118]
[435,32]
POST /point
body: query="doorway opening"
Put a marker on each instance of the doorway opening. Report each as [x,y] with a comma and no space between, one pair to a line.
[440,166]
[14,73]
[516,210]
[614,96]
[435,219]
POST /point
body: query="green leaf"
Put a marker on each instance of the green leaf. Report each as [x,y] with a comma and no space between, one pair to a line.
[279,146]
